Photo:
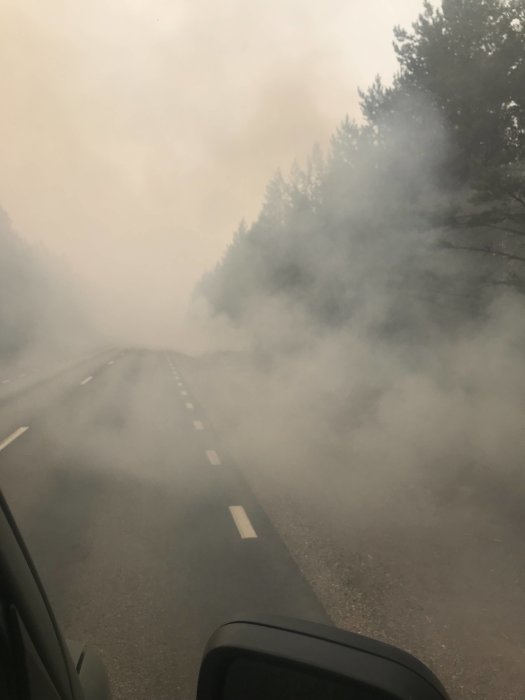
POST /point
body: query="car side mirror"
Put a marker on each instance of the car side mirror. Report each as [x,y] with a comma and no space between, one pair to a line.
[259,659]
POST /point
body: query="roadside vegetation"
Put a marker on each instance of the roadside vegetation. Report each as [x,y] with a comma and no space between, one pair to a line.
[38,309]
[417,210]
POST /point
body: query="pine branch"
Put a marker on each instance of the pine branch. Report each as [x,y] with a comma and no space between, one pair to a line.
[486,251]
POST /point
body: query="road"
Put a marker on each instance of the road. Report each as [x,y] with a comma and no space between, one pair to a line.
[144,530]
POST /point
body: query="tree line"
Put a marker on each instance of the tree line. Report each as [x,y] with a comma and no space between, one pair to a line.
[418,208]
[37,307]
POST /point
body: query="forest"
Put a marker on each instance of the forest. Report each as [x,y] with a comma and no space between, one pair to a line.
[417,210]
[39,309]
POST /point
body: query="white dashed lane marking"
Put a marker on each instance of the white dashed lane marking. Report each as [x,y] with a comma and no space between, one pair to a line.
[86,380]
[243,523]
[11,438]
[241,520]
[213,457]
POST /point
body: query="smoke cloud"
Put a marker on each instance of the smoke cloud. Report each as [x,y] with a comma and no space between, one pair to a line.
[386,444]
[135,135]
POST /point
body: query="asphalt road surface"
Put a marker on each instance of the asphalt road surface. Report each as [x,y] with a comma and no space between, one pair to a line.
[142,527]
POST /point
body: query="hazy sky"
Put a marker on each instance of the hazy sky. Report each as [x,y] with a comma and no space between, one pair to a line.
[136,133]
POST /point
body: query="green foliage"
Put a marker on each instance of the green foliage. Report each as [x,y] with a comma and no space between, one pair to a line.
[435,171]
[468,57]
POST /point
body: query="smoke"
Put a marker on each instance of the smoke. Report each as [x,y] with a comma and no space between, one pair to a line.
[393,472]
[376,407]
[380,426]
[135,135]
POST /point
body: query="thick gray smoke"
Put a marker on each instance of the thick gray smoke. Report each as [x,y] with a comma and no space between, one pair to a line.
[377,407]
[134,136]
[360,345]
[392,467]
[43,317]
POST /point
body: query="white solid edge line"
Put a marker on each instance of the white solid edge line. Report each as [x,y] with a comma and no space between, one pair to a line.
[86,380]
[198,425]
[190,406]
[11,438]
[243,523]
[213,457]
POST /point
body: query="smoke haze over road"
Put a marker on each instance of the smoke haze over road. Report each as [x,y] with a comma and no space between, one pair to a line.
[351,357]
